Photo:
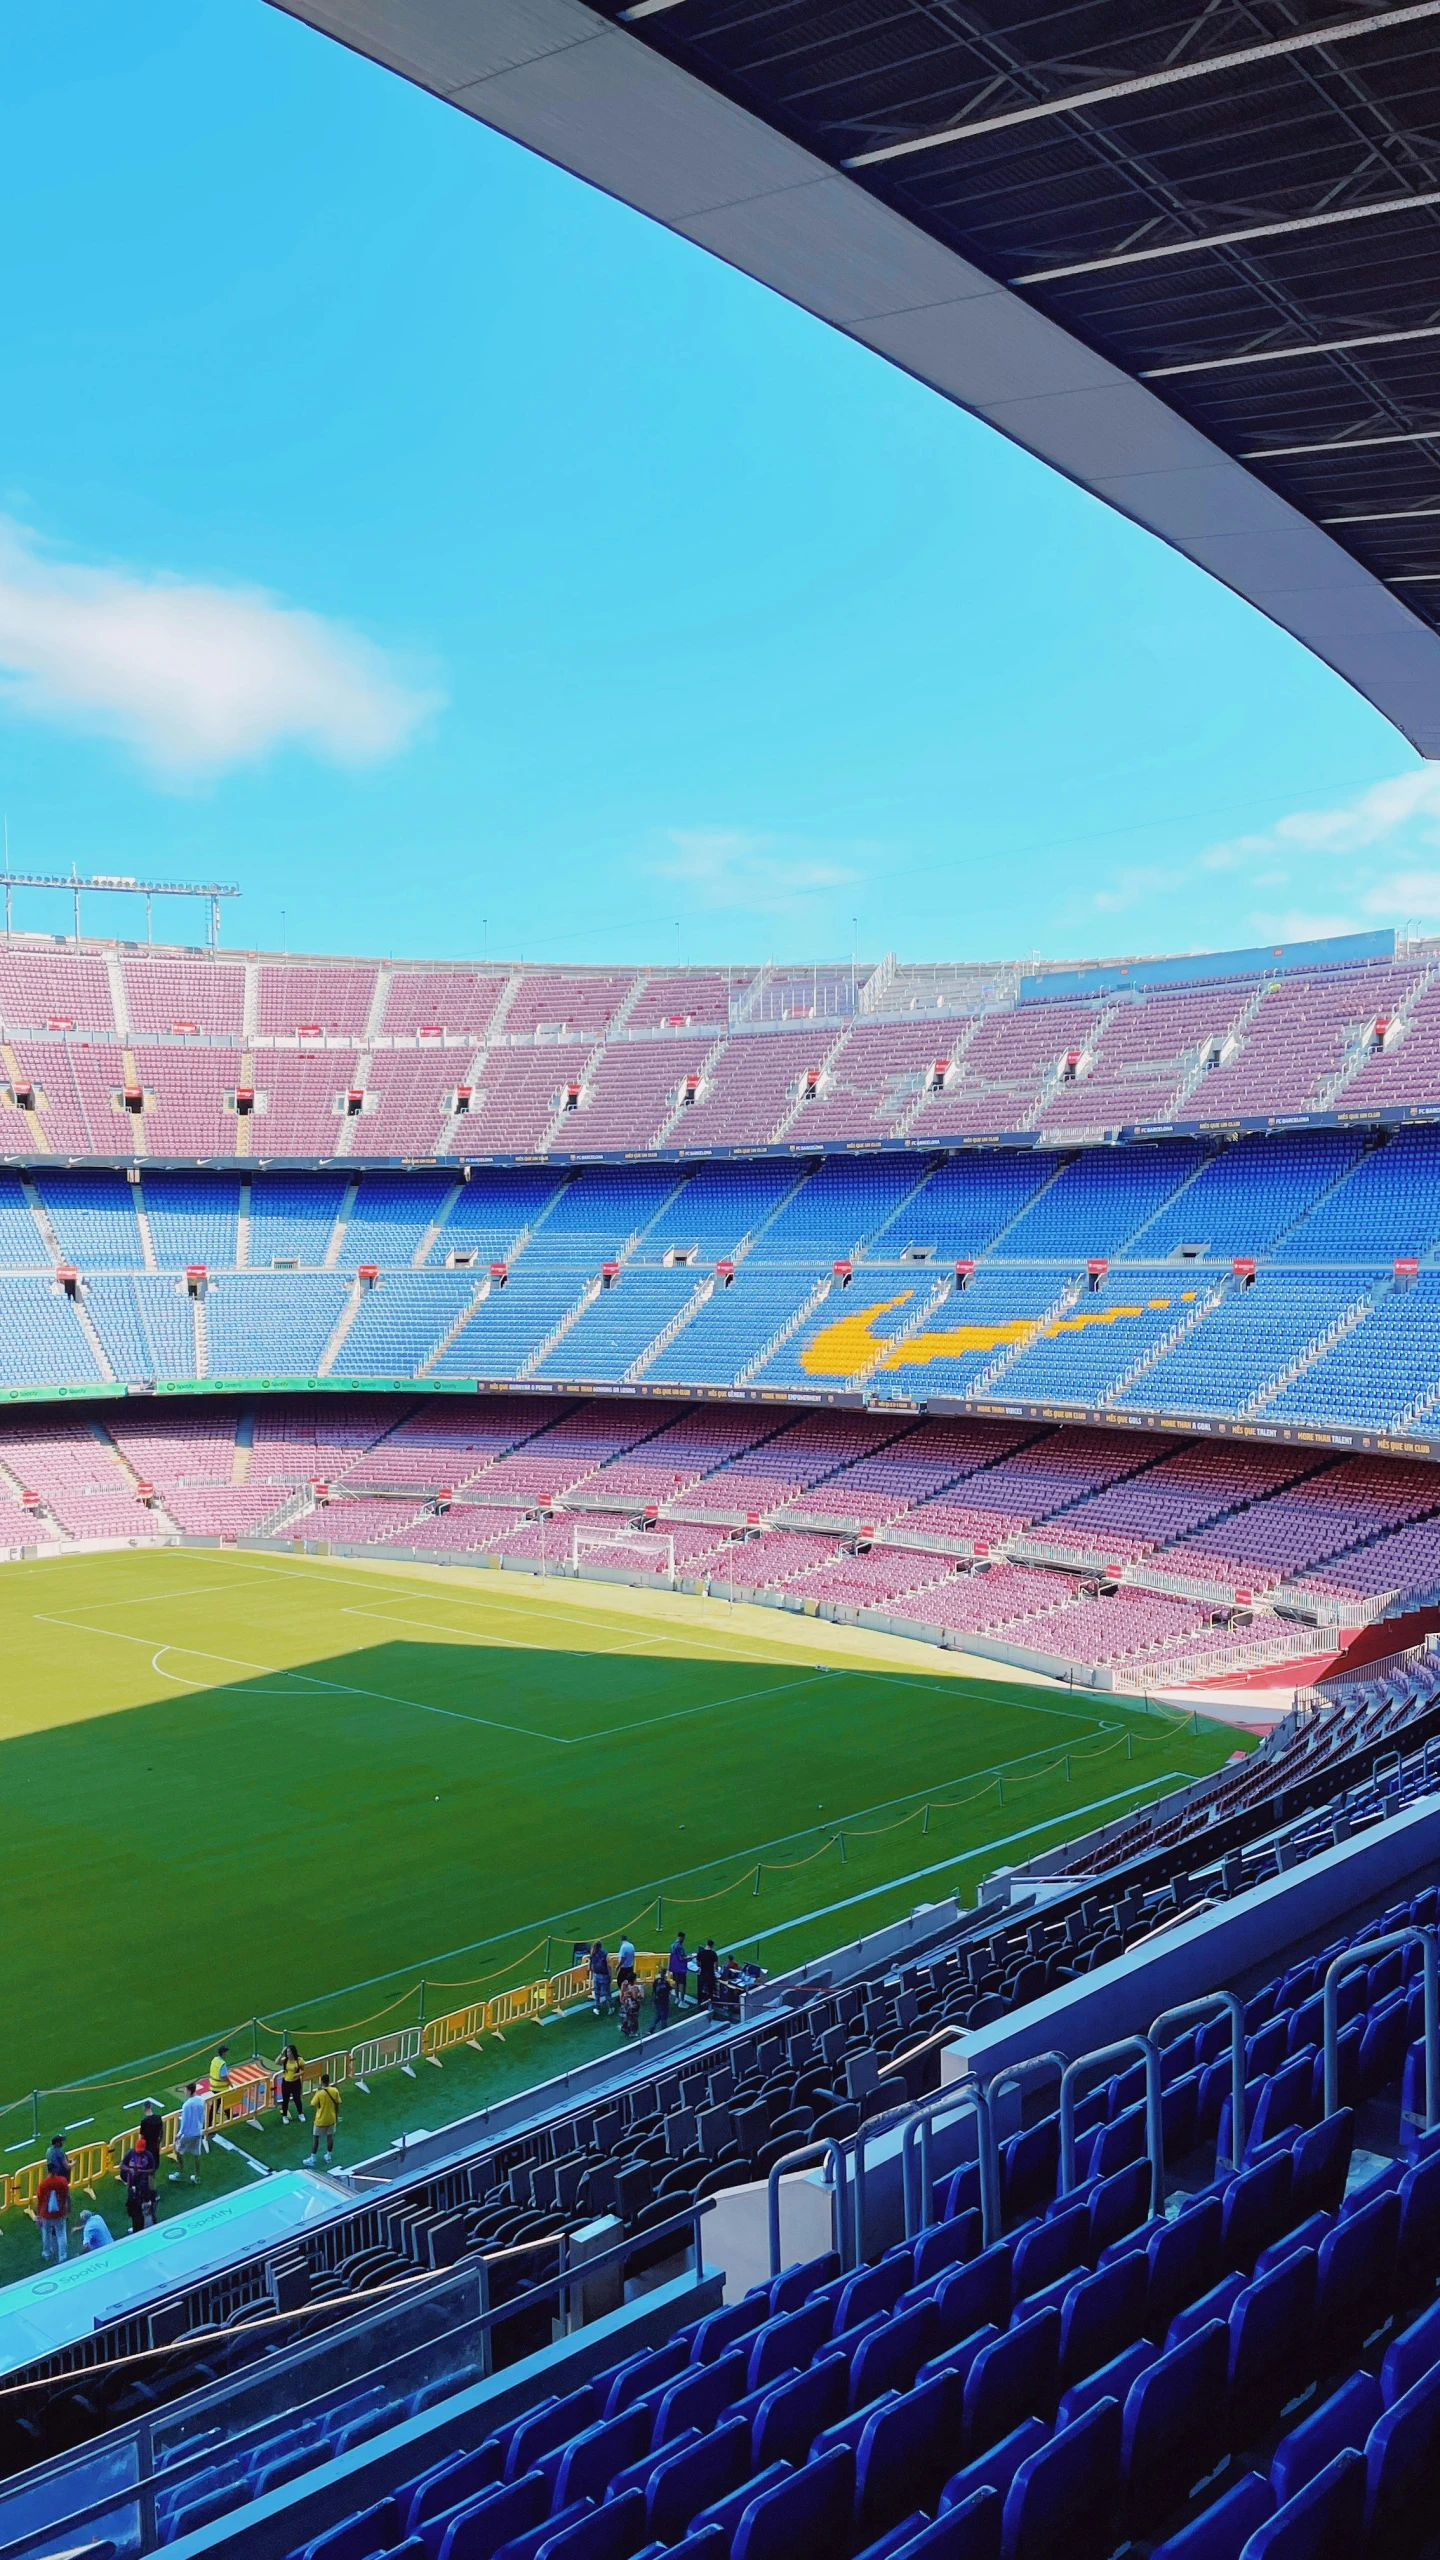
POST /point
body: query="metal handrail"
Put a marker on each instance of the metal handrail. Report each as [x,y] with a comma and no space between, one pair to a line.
[1010,2076]
[1149,2051]
[897,2062]
[1350,1962]
[805,2156]
[962,2095]
[140,2490]
[1208,2000]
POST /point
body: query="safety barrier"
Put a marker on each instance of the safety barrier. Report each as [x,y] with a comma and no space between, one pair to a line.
[254,2089]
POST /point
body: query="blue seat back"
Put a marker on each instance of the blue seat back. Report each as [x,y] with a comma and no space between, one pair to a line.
[1419,2248]
[1174,2424]
[1402,2457]
[479,2529]
[1110,2380]
[794,2285]
[1016,2377]
[722,2329]
[695,2478]
[1411,2354]
[697,2397]
[1222,2532]
[1029,2165]
[996,2468]
[1322,2164]
[791,2416]
[591,2460]
[612,2532]
[975,2294]
[1254,2210]
[1217,2304]
[969,2530]
[1357,2275]
[906,2454]
[1062,2497]
[1184,2261]
[946,2244]
[727,2512]
[1341,2423]
[1051,2250]
[806,2517]
[874,2289]
[788,2342]
[890,2359]
[1118,2204]
[1102,2314]
[359,2535]
[1272,2341]
[1323,2522]
[548,2427]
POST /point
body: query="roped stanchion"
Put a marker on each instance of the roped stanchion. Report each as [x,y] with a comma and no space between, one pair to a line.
[964,2094]
[1010,2076]
[1149,2052]
[805,2156]
[1348,1963]
[1207,2001]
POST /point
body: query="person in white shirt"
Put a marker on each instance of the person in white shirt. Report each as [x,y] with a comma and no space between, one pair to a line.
[189,2134]
[625,1959]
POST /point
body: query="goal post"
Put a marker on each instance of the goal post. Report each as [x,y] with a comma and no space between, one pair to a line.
[648,1543]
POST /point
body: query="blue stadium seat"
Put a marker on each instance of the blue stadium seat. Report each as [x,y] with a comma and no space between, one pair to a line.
[790,2417]
[1062,2496]
[612,2532]
[806,2517]
[1016,2377]
[1174,2425]
[1103,2314]
[1323,2522]
[905,2454]
[1343,2421]
[687,2481]
[1402,2455]
[1223,2530]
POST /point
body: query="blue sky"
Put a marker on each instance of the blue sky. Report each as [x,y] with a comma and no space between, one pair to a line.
[458,562]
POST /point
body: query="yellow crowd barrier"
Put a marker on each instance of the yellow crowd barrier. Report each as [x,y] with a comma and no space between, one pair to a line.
[92,2161]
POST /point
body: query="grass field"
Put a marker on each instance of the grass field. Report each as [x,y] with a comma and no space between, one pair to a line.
[236,1786]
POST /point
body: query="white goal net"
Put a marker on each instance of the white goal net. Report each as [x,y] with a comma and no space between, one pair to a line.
[652,1549]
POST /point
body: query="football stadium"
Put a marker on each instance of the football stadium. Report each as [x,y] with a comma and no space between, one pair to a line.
[722,1704]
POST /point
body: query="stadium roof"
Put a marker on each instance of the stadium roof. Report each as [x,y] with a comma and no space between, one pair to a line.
[1189,255]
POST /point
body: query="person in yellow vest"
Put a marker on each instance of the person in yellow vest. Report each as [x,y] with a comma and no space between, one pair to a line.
[219,2071]
[324,2116]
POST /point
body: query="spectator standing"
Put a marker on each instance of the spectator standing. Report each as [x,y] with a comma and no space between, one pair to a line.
[52,2211]
[137,2176]
[679,1967]
[151,2130]
[706,1963]
[94,2234]
[625,1958]
[324,2116]
[291,2077]
[600,1978]
[189,2134]
[631,2002]
[660,1992]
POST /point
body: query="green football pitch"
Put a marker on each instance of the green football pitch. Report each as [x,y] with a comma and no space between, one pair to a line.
[243,1788]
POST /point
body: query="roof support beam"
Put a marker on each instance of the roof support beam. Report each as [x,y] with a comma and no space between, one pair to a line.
[1211,239]
[1288,355]
[1304,39]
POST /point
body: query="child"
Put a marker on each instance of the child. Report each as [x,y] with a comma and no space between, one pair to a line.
[324,2116]
[631,1997]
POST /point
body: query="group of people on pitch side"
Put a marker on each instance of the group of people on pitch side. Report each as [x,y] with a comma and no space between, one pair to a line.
[139,2170]
[715,1982]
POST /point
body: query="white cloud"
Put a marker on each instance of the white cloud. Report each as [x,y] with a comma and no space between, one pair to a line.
[1372,859]
[724,867]
[194,678]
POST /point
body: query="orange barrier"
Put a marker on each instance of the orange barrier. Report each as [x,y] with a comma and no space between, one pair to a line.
[255,2085]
